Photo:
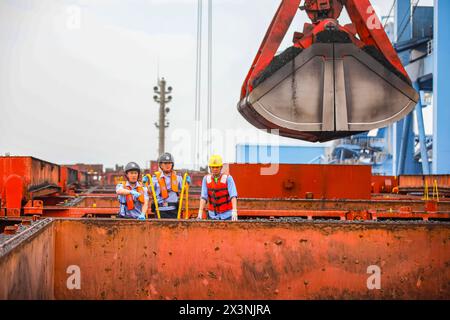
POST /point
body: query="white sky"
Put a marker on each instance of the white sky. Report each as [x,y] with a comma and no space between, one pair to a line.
[80,90]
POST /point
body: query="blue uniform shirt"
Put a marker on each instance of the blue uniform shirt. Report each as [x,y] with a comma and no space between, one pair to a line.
[173,196]
[232,191]
[137,211]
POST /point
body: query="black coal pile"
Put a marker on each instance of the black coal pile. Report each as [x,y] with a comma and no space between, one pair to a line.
[377,55]
[277,63]
[333,36]
[326,36]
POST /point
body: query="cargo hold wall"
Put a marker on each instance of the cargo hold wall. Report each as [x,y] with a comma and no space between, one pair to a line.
[27,264]
[243,260]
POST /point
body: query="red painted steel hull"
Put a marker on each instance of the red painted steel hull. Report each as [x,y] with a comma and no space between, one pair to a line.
[296,181]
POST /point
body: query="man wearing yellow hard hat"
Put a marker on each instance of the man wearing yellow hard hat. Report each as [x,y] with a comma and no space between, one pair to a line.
[219,191]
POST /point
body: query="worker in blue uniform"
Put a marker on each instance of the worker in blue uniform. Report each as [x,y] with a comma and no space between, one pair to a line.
[168,186]
[133,196]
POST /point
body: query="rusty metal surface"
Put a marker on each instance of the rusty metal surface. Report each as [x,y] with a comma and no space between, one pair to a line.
[12,194]
[417,183]
[383,184]
[303,204]
[295,181]
[21,178]
[68,178]
[251,260]
[397,215]
[387,203]
[402,213]
[385,207]
[382,203]
[88,174]
[35,172]
[27,263]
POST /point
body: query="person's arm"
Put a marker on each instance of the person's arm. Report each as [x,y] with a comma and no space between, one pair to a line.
[145,208]
[234,203]
[180,183]
[145,205]
[203,199]
[121,191]
[201,208]
[234,214]
[233,195]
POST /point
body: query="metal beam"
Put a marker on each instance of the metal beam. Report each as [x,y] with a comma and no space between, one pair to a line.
[403,26]
[406,154]
[422,136]
[441,95]
[403,32]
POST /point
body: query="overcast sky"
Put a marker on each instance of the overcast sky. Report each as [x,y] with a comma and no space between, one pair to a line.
[77,76]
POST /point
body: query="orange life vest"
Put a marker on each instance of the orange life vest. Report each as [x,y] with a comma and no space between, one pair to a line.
[129,197]
[218,196]
[162,183]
